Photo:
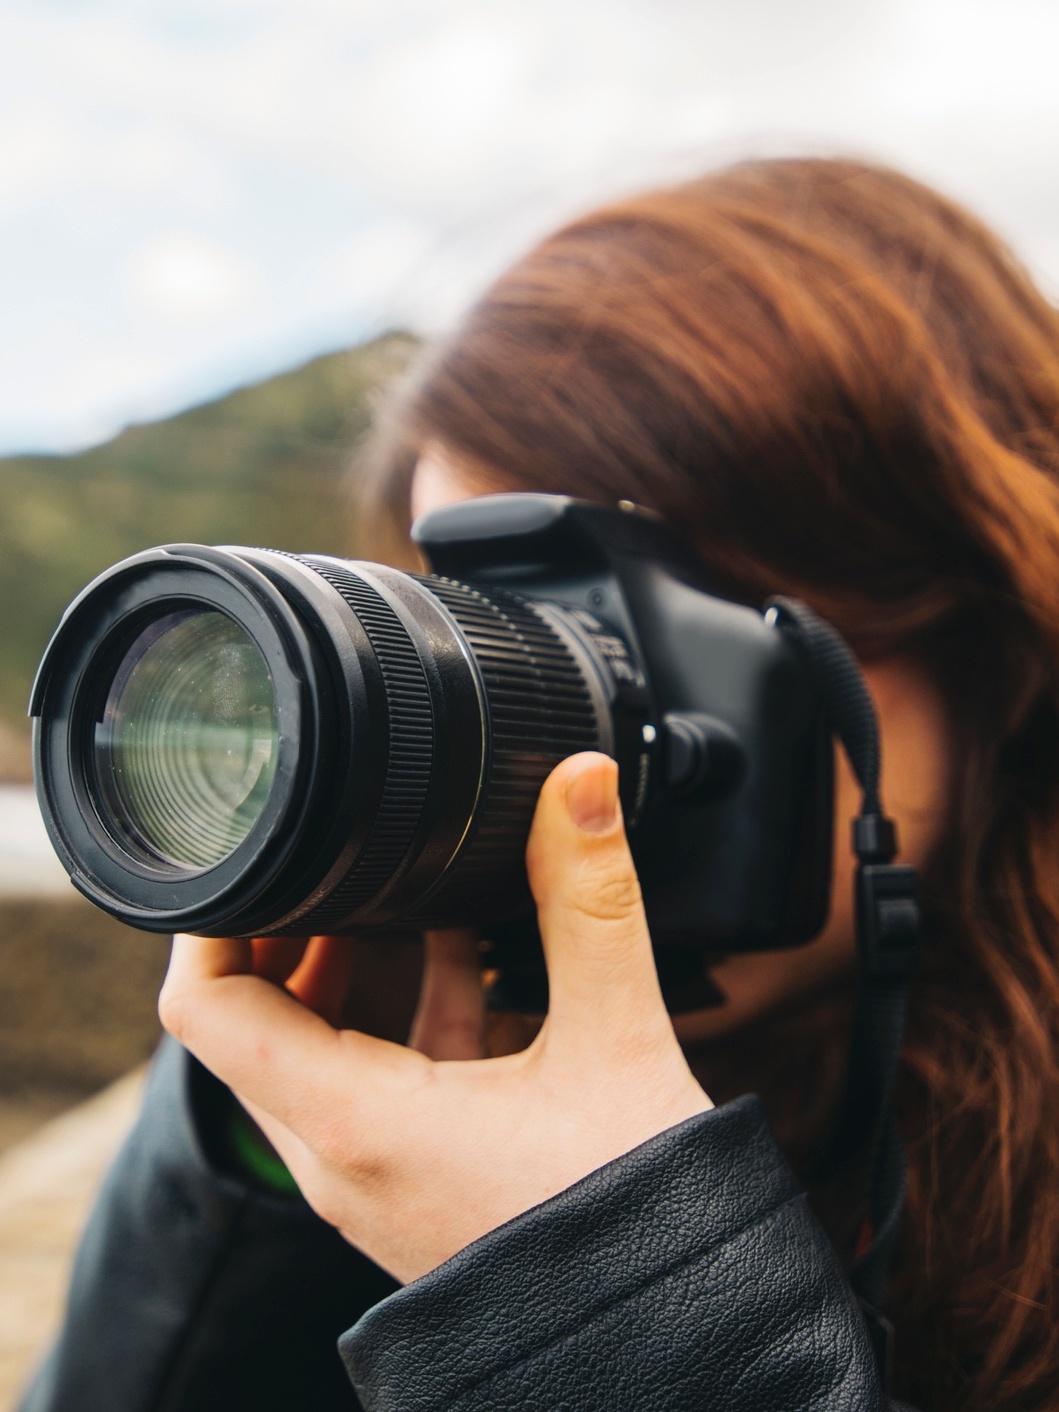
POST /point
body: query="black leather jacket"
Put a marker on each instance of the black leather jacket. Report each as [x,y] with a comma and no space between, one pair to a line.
[689,1274]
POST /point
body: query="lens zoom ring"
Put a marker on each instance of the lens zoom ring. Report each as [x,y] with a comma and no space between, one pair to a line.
[411,750]
[540,711]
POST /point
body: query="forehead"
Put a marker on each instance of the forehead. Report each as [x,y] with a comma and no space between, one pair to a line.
[441,479]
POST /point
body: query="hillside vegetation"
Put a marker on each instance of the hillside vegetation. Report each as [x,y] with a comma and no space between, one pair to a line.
[266,465]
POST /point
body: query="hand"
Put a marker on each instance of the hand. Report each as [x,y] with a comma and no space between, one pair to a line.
[414,1155]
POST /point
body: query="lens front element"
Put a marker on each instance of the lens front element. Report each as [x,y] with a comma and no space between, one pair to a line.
[185,753]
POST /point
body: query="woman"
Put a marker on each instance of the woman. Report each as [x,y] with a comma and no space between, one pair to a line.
[843,388]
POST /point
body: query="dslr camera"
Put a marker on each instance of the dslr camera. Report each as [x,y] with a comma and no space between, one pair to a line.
[238,742]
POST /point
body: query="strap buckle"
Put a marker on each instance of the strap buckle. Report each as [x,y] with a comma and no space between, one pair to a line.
[888,920]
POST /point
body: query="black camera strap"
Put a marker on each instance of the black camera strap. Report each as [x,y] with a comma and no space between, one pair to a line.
[888,927]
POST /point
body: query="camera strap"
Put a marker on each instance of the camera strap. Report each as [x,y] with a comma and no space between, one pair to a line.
[888,927]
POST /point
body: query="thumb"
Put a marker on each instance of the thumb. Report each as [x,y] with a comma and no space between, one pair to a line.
[602,979]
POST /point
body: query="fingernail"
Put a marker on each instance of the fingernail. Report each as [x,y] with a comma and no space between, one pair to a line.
[592,796]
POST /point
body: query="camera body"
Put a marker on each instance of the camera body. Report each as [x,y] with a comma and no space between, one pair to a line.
[725,756]
[410,723]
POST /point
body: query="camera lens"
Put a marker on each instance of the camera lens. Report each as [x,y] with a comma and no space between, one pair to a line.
[245,742]
[185,753]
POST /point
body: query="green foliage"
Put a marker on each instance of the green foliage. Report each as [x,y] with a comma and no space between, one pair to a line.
[266,465]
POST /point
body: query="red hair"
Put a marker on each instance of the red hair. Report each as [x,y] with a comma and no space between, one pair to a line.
[844,387]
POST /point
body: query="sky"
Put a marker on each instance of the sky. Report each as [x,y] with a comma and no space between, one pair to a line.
[196,193]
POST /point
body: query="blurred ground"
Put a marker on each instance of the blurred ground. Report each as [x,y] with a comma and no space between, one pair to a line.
[77,1005]
[77,1012]
[15,763]
[46,1185]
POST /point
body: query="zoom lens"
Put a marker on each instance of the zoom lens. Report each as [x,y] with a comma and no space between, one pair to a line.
[243,742]
[186,751]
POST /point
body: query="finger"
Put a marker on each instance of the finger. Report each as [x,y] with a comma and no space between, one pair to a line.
[508,1032]
[601,971]
[263,1043]
[276,958]
[449,1021]
[324,976]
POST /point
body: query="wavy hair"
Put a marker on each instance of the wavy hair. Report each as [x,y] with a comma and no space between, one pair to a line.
[844,387]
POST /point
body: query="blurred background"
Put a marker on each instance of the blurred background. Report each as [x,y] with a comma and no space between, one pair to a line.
[225,224]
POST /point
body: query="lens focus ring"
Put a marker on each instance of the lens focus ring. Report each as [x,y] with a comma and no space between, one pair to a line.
[410,758]
[540,711]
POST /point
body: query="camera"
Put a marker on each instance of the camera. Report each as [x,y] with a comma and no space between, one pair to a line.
[236,741]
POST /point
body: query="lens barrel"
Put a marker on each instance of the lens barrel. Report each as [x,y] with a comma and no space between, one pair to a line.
[245,742]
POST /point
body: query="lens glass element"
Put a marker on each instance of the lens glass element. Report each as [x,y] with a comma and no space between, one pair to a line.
[185,754]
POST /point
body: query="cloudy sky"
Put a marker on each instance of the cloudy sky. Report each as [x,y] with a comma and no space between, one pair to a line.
[194,193]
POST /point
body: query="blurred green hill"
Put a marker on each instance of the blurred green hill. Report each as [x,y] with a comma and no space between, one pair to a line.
[264,465]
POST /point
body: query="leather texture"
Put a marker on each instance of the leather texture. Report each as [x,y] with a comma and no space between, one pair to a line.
[689,1274]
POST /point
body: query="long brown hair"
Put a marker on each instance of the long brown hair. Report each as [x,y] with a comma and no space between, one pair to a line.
[844,387]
